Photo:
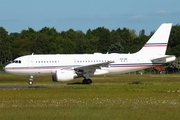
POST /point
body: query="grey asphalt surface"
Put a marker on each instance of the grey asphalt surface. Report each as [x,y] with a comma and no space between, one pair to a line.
[26,86]
[13,86]
[23,86]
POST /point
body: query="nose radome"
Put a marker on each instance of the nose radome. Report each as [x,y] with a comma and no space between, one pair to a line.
[7,68]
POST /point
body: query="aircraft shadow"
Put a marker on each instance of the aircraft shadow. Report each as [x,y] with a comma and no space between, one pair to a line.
[77,83]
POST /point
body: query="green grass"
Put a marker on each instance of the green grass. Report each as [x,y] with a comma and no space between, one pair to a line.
[111,97]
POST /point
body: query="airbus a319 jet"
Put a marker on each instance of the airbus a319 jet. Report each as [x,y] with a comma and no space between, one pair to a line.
[66,67]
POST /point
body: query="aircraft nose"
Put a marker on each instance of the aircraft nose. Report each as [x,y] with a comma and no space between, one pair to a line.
[7,68]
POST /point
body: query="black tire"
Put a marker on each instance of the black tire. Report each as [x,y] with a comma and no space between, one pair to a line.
[84,81]
[89,81]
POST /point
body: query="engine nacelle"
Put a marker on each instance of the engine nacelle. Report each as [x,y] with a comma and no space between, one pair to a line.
[63,75]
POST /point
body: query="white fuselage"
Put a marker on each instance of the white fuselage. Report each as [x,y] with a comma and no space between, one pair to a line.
[49,64]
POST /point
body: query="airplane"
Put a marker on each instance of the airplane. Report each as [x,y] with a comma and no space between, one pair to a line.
[67,67]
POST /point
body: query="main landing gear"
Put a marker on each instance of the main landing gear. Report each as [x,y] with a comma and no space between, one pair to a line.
[87,81]
[30,80]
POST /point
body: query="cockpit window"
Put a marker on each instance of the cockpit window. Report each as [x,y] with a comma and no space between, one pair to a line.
[17,61]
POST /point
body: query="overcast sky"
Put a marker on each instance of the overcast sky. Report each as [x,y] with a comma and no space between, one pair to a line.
[17,15]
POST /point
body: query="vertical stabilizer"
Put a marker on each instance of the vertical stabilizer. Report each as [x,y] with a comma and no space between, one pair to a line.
[157,44]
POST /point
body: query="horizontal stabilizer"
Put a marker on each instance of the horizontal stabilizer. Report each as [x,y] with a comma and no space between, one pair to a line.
[165,59]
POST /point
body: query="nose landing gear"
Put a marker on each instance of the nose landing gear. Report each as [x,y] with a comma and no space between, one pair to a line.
[30,80]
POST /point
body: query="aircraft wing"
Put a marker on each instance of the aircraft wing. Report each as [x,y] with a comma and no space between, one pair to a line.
[167,58]
[90,69]
[93,66]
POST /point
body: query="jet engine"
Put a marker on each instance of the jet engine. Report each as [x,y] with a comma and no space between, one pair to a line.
[63,75]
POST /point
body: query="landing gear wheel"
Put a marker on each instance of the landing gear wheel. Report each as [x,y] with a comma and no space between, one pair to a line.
[87,81]
[84,81]
[30,82]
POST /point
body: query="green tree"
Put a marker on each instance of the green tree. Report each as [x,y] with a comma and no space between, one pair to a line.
[175,50]
[5,53]
[40,45]
[73,41]
[116,48]
[127,37]
[103,35]
[174,41]
[115,36]
[21,44]
[173,66]
[92,42]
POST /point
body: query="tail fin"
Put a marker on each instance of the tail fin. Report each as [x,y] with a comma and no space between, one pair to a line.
[157,44]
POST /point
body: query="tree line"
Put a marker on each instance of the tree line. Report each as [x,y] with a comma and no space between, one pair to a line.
[50,41]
